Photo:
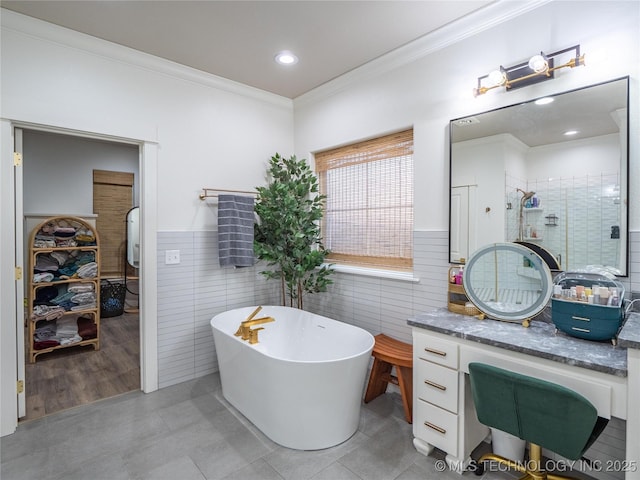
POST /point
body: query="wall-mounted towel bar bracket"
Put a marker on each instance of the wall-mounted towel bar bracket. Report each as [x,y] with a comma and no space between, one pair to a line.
[214,192]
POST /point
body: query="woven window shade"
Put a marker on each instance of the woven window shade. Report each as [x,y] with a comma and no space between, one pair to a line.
[368,217]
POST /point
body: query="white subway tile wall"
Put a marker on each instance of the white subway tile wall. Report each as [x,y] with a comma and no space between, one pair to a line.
[197,288]
[192,292]
[189,295]
[586,212]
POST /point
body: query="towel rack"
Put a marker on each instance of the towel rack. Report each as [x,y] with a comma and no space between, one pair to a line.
[213,192]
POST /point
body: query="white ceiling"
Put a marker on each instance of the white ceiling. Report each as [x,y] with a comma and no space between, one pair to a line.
[238,39]
[590,111]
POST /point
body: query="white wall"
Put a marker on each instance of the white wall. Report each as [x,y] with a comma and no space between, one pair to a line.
[428,92]
[196,131]
[58,171]
[477,162]
[590,156]
[203,125]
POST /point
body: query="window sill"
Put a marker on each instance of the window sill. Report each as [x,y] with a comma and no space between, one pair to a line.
[375,272]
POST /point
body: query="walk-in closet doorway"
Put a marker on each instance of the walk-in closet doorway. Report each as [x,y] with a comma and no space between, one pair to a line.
[59,180]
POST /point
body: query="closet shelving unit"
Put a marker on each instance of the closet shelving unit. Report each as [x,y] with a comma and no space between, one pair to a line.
[75,246]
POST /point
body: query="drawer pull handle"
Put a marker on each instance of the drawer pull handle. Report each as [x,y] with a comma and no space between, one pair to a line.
[435,385]
[586,330]
[581,318]
[436,428]
[436,352]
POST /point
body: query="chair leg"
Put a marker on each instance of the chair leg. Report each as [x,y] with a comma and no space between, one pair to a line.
[517,466]
[377,386]
[405,382]
[532,468]
[535,460]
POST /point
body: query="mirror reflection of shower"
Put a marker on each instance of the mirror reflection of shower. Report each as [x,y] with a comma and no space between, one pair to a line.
[525,196]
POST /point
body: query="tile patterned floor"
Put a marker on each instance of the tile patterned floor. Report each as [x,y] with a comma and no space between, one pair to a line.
[189,432]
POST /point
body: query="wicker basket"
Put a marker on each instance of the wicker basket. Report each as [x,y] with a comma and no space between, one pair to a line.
[112,294]
[471,309]
[457,300]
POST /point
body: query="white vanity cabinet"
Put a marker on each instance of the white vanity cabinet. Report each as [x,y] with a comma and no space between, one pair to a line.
[443,415]
[445,343]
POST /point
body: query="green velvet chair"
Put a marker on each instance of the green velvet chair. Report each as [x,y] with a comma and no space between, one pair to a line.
[544,414]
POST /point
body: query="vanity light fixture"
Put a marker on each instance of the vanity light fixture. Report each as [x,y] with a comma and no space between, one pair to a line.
[538,68]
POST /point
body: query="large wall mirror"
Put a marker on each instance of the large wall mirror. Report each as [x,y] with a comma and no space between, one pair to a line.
[551,172]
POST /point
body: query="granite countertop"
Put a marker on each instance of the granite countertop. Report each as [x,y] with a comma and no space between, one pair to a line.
[629,336]
[539,340]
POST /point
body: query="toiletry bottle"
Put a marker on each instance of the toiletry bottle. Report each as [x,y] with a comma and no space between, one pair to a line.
[614,299]
[459,276]
[604,296]
[534,201]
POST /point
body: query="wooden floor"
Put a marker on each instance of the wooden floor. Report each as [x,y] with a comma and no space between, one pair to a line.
[78,375]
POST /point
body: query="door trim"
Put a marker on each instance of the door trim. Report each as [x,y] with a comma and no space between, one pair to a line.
[19,234]
[148,162]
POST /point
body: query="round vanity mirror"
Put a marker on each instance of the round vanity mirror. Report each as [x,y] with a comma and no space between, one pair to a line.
[508,282]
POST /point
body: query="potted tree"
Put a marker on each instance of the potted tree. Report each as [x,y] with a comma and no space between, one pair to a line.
[287,234]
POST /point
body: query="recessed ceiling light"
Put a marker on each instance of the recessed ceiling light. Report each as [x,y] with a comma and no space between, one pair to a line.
[286,58]
[571,132]
[544,101]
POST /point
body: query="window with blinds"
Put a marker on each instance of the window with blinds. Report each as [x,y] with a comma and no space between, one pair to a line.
[368,219]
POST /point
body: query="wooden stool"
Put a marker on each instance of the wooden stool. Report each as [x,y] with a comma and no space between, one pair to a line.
[389,352]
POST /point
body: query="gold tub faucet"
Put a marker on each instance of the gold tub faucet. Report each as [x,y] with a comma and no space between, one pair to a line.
[244,331]
[250,334]
[258,321]
[253,335]
[253,332]
[241,330]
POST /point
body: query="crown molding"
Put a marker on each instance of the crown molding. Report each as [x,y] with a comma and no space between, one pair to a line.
[48,32]
[454,32]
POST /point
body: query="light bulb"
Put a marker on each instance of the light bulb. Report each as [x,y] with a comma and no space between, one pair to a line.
[497,77]
[286,58]
[538,64]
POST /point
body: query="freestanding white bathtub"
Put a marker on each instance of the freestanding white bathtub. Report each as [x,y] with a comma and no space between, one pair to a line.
[302,384]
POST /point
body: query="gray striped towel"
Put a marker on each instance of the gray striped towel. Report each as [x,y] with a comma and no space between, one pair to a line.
[235,230]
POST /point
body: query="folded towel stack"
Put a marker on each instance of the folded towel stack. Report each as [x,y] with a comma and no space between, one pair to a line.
[88,270]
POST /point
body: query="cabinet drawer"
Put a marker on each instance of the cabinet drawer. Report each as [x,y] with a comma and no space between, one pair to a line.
[438,385]
[435,350]
[437,427]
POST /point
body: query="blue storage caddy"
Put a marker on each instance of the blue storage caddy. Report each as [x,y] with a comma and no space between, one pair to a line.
[587,320]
